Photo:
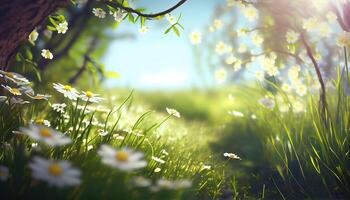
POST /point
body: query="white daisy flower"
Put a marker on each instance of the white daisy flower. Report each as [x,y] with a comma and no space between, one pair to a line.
[166,184]
[99,12]
[118,15]
[173,112]
[140,181]
[62,27]
[102,133]
[217,24]
[4,173]
[14,91]
[45,134]
[91,97]
[67,90]
[57,173]
[59,107]
[157,169]
[15,77]
[220,75]
[232,156]
[143,29]
[159,160]
[123,159]
[235,113]
[46,54]
[196,37]
[292,37]
[171,19]
[206,167]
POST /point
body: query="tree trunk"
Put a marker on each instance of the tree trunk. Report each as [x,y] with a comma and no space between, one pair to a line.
[18,18]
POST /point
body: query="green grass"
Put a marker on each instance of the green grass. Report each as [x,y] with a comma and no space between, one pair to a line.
[285,155]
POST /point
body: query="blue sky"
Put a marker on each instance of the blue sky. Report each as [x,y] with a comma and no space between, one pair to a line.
[158,61]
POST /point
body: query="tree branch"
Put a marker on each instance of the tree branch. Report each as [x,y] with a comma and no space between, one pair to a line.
[318,72]
[152,15]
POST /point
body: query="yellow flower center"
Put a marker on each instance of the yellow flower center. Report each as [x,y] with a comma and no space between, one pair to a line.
[10,74]
[89,94]
[122,156]
[67,88]
[45,132]
[39,121]
[55,169]
[15,91]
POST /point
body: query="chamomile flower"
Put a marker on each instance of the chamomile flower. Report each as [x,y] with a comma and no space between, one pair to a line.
[257,39]
[242,32]
[173,112]
[344,39]
[267,102]
[159,160]
[123,159]
[118,15]
[251,13]
[59,173]
[292,37]
[206,167]
[46,54]
[46,135]
[220,48]
[67,90]
[230,60]
[196,37]
[171,19]
[259,75]
[221,75]
[14,77]
[300,89]
[232,156]
[62,27]
[91,97]
[237,66]
[140,181]
[157,170]
[13,91]
[310,24]
[286,87]
[217,24]
[99,12]
[60,108]
[4,173]
[235,113]
[331,17]
[143,29]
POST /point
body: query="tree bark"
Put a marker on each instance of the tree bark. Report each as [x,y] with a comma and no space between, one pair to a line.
[18,18]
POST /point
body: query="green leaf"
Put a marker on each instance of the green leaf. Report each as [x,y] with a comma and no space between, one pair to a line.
[143,20]
[131,18]
[29,54]
[167,31]
[51,28]
[176,30]
[53,21]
